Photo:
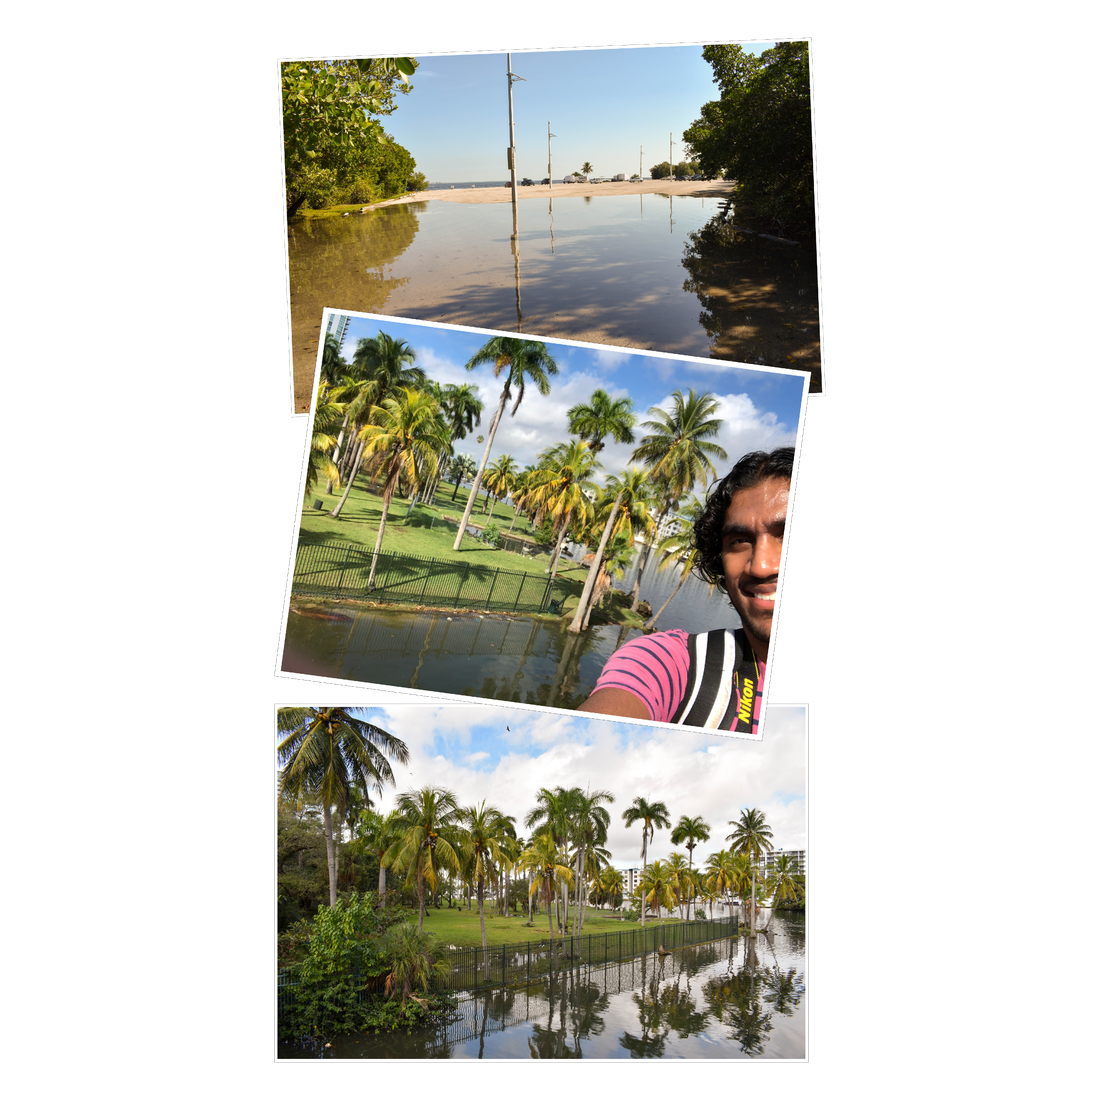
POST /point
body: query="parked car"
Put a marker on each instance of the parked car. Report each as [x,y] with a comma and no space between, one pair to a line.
[526,182]
[546,181]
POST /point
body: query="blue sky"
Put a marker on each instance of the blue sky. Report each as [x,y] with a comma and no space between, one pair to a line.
[759,407]
[471,750]
[601,104]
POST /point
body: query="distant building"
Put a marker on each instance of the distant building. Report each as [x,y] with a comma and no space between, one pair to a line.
[338,327]
[798,855]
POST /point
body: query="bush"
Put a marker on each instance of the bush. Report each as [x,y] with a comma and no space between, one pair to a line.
[491,534]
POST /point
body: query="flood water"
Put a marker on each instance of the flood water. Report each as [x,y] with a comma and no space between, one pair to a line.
[738,998]
[483,655]
[633,270]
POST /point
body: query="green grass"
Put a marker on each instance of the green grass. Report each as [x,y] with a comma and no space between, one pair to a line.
[357,525]
[462,928]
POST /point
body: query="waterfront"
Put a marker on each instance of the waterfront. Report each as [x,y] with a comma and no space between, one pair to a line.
[736,998]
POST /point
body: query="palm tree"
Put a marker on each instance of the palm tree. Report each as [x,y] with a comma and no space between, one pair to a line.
[428,839]
[752,837]
[519,361]
[678,451]
[333,365]
[590,824]
[722,875]
[379,833]
[783,882]
[552,815]
[408,430]
[610,883]
[463,408]
[689,831]
[500,479]
[628,515]
[602,416]
[653,816]
[380,364]
[586,168]
[543,859]
[655,889]
[679,874]
[329,413]
[485,829]
[414,961]
[463,467]
[559,487]
[680,546]
[326,749]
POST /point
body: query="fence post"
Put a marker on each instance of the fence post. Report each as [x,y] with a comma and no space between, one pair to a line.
[546,594]
[465,574]
[523,579]
[491,587]
[343,566]
[427,574]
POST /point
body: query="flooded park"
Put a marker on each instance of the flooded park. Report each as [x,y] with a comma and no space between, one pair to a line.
[739,997]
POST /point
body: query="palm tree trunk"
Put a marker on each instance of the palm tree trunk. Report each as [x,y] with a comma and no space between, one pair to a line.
[330,851]
[481,917]
[335,513]
[557,548]
[387,496]
[650,622]
[580,620]
[420,892]
[381,884]
[481,469]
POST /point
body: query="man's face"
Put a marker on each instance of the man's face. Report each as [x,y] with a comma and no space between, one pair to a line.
[752,540]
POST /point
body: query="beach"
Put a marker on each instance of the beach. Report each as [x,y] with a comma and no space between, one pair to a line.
[697,189]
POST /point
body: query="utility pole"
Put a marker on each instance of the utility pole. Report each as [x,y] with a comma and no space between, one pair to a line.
[549,158]
[512,129]
[639,160]
[669,160]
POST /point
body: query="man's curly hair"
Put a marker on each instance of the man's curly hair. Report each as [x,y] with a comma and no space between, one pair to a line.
[749,472]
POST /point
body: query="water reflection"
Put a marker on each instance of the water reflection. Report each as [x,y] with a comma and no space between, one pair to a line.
[595,268]
[737,998]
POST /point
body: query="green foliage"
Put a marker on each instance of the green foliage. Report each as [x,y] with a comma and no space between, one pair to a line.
[343,961]
[387,174]
[491,535]
[661,171]
[417,182]
[413,958]
[329,135]
[759,133]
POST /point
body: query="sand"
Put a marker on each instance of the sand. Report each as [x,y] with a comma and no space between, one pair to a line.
[699,189]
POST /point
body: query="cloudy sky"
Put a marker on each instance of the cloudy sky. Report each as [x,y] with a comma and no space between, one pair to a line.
[505,756]
[760,406]
[602,105]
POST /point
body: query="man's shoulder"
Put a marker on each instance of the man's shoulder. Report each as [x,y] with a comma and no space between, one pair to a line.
[661,641]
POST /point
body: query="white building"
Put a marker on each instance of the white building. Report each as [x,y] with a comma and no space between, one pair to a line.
[338,326]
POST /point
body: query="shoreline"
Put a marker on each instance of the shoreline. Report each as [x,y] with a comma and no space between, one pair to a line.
[470,194]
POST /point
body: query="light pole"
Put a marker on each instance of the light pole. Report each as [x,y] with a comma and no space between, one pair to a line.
[512,129]
[549,158]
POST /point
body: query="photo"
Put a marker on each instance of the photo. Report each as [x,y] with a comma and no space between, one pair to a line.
[656,197]
[462,882]
[544,523]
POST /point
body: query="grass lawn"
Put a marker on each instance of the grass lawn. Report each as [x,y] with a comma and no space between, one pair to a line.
[462,928]
[414,534]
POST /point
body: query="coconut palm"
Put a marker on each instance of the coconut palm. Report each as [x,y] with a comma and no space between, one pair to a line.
[333,365]
[553,815]
[428,838]
[680,546]
[689,831]
[590,821]
[603,416]
[655,888]
[783,882]
[679,873]
[407,429]
[484,830]
[678,451]
[653,816]
[500,479]
[462,468]
[546,864]
[559,488]
[462,407]
[326,419]
[587,169]
[722,875]
[380,364]
[519,361]
[610,884]
[326,749]
[752,836]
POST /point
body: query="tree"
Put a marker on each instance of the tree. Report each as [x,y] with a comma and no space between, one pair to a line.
[544,861]
[519,361]
[414,960]
[679,547]
[325,420]
[408,430]
[678,451]
[689,831]
[784,881]
[328,131]
[500,479]
[485,830]
[380,365]
[379,833]
[603,416]
[661,171]
[326,749]
[655,888]
[653,816]
[752,836]
[560,486]
[463,467]
[590,824]
[759,132]
[428,841]
[586,168]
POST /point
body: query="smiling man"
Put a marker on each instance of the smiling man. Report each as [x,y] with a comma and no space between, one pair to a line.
[715,679]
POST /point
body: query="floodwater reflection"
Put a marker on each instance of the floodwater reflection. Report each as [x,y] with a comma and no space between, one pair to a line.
[737,998]
[607,269]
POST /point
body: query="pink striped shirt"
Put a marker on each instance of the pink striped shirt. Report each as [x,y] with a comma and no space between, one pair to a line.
[655,668]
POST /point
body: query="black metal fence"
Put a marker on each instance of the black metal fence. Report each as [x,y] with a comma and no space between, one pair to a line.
[510,964]
[472,967]
[327,570]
